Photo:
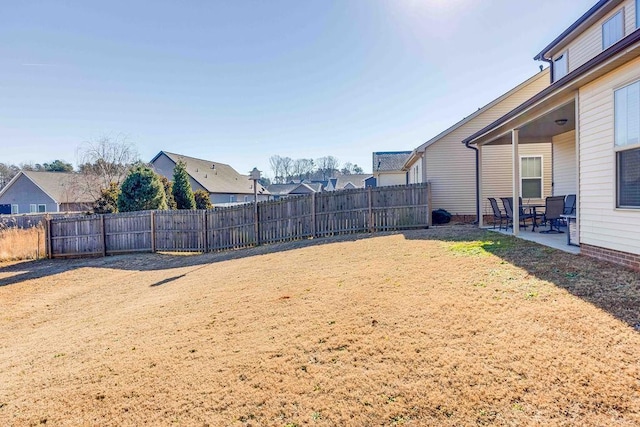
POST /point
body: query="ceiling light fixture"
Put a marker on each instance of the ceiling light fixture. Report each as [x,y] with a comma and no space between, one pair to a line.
[561,122]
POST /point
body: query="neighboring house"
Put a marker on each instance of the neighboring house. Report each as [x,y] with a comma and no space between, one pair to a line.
[278,191]
[591,113]
[224,185]
[38,192]
[450,167]
[387,167]
[347,182]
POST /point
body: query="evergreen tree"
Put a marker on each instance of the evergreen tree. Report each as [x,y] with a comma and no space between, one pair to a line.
[202,200]
[108,201]
[182,192]
[141,190]
[168,192]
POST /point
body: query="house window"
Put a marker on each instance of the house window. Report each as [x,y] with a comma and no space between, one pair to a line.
[560,67]
[627,145]
[612,30]
[246,199]
[15,209]
[42,208]
[232,199]
[531,177]
[33,208]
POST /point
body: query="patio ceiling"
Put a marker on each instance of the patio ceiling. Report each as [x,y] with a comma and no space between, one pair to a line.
[543,128]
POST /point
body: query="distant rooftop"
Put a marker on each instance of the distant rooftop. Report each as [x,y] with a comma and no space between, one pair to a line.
[385,161]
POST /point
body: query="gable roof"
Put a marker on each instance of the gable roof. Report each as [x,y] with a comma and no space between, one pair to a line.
[423,147]
[213,176]
[63,187]
[385,161]
[348,181]
[589,17]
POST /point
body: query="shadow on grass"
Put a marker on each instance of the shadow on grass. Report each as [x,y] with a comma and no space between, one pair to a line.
[607,286]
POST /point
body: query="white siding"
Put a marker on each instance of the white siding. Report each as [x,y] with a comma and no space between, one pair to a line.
[564,164]
[450,166]
[589,43]
[415,172]
[497,171]
[601,224]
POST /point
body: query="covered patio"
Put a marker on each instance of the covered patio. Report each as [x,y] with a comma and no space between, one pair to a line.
[552,122]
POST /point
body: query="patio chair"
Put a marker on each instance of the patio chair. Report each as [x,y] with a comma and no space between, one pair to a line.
[569,205]
[554,208]
[523,217]
[506,203]
[498,215]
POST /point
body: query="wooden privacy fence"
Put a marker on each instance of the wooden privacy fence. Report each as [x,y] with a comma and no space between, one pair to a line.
[299,217]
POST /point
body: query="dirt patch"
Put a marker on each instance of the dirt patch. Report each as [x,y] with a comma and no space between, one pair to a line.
[447,326]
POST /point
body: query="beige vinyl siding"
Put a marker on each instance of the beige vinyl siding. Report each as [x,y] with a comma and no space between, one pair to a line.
[415,172]
[564,164]
[396,178]
[589,43]
[450,166]
[497,171]
[601,223]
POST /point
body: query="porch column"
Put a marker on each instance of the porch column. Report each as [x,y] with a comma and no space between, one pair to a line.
[480,198]
[516,182]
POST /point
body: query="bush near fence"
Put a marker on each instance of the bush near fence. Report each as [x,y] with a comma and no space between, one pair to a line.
[293,218]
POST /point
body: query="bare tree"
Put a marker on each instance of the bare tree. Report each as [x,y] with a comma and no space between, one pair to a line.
[302,168]
[105,160]
[7,172]
[328,166]
[287,167]
[275,162]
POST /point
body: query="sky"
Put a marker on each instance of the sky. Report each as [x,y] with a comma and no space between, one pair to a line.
[238,81]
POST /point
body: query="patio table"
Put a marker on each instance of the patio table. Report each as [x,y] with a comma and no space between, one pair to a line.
[533,209]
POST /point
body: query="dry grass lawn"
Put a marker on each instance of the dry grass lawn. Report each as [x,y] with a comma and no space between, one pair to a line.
[448,326]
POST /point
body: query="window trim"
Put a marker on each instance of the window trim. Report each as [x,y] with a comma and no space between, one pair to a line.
[564,55]
[617,149]
[621,13]
[541,157]
[33,208]
[43,206]
[17,209]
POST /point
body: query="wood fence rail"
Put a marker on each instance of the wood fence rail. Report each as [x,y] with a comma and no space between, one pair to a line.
[218,229]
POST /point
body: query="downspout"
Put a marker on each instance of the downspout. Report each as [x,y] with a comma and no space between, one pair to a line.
[550,61]
[466,144]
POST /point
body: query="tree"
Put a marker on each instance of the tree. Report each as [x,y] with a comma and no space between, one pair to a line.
[287,165]
[182,192]
[168,192]
[275,162]
[302,168]
[108,201]
[58,166]
[327,166]
[202,199]
[7,172]
[141,190]
[105,160]
[357,169]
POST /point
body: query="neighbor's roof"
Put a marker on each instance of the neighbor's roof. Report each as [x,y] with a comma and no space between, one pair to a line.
[341,182]
[213,176]
[384,161]
[63,187]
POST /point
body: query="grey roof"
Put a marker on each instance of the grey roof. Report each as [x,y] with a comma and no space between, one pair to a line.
[215,177]
[281,189]
[348,181]
[385,161]
[63,187]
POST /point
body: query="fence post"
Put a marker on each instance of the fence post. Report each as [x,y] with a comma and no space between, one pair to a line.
[153,231]
[49,243]
[256,223]
[314,227]
[104,235]
[206,234]
[372,227]
[429,210]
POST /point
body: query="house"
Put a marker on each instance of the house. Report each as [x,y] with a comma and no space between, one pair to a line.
[223,183]
[387,167]
[450,167]
[38,192]
[348,182]
[278,191]
[591,114]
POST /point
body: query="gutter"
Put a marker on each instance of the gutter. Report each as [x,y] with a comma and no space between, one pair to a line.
[466,144]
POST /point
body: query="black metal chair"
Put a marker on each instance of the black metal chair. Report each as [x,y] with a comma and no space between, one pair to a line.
[569,205]
[554,208]
[498,215]
[523,217]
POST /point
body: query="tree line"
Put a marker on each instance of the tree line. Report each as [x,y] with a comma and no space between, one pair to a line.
[286,169]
